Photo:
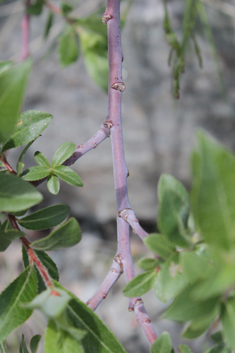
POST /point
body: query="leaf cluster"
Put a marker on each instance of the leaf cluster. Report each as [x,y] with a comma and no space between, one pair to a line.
[195,252]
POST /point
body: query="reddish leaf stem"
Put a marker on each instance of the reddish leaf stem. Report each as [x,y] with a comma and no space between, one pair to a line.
[25,33]
[111,278]
[53,7]
[32,255]
[7,165]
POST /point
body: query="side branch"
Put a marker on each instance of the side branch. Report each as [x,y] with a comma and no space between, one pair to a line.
[144,321]
[111,278]
[129,216]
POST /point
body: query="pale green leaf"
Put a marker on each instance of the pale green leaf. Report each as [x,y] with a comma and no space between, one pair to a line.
[184,349]
[12,314]
[148,264]
[66,235]
[62,153]
[68,175]
[162,344]
[160,245]
[30,125]
[173,211]
[36,173]
[53,184]
[213,194]
[46,218]
[68,47]
[51,303]
[41,159]
[12,88]
[5,65]
[16,194]
[228,322]
[140,284]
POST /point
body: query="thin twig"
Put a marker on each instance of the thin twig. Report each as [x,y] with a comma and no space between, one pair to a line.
[144,321]
[129,216]
[111,278]
[32,255]
[25,33]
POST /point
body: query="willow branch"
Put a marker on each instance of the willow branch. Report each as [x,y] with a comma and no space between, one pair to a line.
[111,17]
[111,278]
[32,255]
[129,216]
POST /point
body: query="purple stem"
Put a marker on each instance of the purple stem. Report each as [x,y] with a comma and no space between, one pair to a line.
[111,278]
[25,34]
[116,87]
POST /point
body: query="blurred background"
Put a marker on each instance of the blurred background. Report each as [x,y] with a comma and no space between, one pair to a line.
[159,135]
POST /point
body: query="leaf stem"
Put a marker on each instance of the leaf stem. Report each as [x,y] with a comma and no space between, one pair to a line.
[6,164]
[32,255]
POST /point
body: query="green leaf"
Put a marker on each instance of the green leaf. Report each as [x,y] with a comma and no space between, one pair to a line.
[19,167]
[30,125]
[47,262]
[66,235]
[99,338]
[228,321]
[35,9]
[68,47]
[95,51]
[12,314]
[184,349]
[6,237]
[212,195]
[66,8]
[162,344]
[17,195]
[62,153]
[170,280]
[68,175]
[140,284]
[3,347]
[160,245]
[185,308]
[173,211]
[197,327]
[195,267]
[217,337]
[23,347]
[41,160]
[5,65]
[219,348]
[148,264]
[23,154]
[51,303]
[49,23]
[58,340]
[36,173]
[12,87]
[34,343]
[46,218]
[53,184]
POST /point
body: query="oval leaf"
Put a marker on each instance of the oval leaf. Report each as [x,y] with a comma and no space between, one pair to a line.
[160,245]
[45,218]
[12,88]
[62,153]
[68,175]
[6,238]
[17,195]
[12,314]
[140,284]
[66,235]
[30,125]
[162,344]
[68,47]
[36,173]
[41,159]
[53,184]
[34,343]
